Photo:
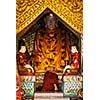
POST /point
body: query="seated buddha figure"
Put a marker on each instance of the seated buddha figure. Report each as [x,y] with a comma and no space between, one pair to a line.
[51,46]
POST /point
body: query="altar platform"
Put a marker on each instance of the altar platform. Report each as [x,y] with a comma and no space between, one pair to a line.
[70,80]
[49,96]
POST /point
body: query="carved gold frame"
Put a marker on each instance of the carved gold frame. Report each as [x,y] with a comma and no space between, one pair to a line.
[70,11]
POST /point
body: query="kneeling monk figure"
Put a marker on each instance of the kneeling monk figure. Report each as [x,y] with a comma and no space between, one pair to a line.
[50,82]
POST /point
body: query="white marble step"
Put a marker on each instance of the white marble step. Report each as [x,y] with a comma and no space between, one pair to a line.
[49,99]
[52,98]
[49,94]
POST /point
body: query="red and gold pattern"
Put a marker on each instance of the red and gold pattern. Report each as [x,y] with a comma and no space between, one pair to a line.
[18,89]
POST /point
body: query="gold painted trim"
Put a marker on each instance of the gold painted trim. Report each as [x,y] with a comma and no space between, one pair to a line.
[70,11]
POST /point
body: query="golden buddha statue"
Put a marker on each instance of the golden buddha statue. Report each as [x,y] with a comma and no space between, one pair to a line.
[51,46]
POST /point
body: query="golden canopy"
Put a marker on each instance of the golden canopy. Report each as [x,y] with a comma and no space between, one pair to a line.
[70,11]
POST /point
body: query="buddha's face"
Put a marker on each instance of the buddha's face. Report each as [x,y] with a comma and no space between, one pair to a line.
[51,22]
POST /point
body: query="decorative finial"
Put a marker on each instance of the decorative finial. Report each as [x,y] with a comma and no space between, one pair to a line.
[51,14]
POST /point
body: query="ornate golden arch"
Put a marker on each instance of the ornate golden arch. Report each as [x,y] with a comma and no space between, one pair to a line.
[70,11]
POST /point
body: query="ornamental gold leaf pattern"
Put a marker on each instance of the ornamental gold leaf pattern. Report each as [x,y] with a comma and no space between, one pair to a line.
[73,5]
[70,11]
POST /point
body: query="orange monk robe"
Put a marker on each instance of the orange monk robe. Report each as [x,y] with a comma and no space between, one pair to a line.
[49,80]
